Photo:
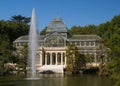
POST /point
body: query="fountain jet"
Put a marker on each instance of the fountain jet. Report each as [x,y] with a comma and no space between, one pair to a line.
[32,47]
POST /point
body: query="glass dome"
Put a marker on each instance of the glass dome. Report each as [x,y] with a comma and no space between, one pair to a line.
[57,25]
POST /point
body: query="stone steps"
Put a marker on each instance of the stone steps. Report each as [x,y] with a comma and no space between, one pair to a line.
[53,68]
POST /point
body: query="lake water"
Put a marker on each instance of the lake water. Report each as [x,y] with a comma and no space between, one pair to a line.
[57,80]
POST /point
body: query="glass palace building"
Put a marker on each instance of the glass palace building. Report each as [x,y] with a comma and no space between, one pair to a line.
[51,52]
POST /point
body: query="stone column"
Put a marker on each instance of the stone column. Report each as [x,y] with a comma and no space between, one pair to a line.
[94,43]
[40,59]
[89,43]
[50,58]
[84,43]
[56,59]
[61,58]
[95,58]
[65,59]
[80,43]
[45,59]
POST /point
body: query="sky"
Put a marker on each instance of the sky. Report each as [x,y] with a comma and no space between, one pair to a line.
[73,12]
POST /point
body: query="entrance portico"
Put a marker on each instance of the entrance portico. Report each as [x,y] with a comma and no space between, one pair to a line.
[52,57]
[55,58]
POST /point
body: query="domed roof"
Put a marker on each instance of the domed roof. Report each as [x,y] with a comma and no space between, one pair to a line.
[57,25]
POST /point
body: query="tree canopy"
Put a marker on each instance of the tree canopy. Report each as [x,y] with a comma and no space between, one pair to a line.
[75,60]
[9,31]
[14,28]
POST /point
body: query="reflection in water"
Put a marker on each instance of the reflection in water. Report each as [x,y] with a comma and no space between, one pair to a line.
[60,80]
[88,80]
[33,84]
[47,80]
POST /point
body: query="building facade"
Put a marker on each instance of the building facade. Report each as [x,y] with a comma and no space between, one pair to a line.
[51,52]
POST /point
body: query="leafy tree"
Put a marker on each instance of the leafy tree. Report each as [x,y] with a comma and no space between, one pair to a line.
[14,28]
[90,29]
[89,58]
[74,59]
[110,33]
[113,66]
[23,54]
[20,19]
[5,53]
[9,31]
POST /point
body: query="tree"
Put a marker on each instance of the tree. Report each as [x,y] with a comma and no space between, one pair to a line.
[89,58]
[113,65]
[9,31]
[20,19]
[23,54]
[14,28]
[5,54]
[74,59]
[89,29]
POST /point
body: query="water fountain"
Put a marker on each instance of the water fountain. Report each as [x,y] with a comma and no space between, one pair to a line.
[33,42]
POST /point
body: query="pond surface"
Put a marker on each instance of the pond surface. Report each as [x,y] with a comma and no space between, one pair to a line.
[57,80]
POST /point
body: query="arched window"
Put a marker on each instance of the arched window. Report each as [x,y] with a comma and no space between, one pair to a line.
[54,41]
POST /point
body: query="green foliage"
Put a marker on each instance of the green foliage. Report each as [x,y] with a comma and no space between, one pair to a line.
[23,54]
[9,31]
[110,34]
[90,29]
[14,28]
[113,66]
[74,59]
[5,53]
[89,58]
[43,32]
[20,19]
